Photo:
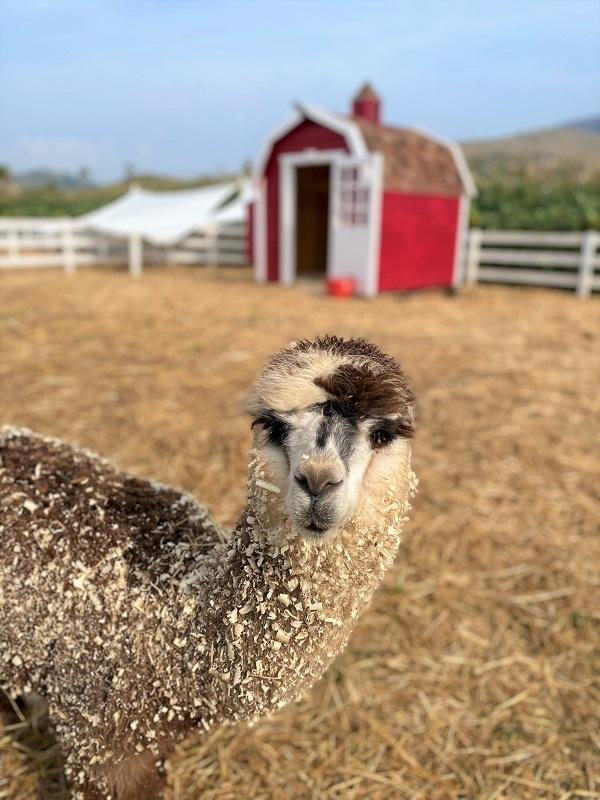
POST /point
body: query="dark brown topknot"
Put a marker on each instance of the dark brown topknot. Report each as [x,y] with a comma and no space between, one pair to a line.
[361,392]
[345,347]
[375,385]
[370,383]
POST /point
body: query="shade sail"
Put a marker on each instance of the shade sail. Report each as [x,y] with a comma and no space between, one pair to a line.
[163,218]
[236,210]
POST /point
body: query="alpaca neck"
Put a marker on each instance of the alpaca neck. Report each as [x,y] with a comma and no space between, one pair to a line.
[354,558]
[256,622]
[289,603]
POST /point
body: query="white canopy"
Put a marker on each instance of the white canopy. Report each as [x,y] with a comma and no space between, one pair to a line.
[164,218]
[237,209]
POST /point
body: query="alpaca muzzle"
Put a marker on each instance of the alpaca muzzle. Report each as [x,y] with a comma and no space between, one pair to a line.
[317,495]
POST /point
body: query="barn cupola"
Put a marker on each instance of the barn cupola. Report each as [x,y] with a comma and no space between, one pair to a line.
[366,104]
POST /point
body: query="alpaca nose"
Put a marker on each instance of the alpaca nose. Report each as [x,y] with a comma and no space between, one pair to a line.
[319,479]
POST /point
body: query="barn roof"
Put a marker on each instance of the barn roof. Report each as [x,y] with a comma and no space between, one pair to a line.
[415,161]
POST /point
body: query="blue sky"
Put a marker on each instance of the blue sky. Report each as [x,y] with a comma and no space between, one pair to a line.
[186,87]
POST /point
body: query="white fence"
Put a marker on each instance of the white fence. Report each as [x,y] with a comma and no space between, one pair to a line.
[226,244]
[561,259]
[50,242]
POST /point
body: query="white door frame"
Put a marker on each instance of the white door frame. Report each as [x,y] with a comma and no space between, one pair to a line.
[288,212]
[288,164]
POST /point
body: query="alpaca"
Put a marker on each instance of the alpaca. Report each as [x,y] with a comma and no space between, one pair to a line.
[141,622]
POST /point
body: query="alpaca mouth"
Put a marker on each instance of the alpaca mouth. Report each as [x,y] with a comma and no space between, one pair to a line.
[316,525]
[316,530]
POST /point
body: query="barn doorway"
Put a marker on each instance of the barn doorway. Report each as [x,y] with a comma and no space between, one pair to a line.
[312,220]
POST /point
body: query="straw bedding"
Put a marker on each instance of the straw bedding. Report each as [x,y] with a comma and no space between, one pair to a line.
[475,671]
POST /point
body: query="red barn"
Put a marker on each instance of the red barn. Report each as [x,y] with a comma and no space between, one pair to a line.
[345,196]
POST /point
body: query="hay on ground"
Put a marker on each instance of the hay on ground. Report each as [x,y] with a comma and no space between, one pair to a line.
[475,672]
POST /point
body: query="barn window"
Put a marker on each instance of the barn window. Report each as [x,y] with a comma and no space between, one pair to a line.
[353,209]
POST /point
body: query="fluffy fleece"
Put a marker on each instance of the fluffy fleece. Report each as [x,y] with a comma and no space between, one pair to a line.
[140,621]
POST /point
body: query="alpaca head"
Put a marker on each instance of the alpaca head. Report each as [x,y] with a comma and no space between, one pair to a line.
[329,415]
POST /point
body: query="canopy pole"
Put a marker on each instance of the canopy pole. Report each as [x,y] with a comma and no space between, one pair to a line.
[135,254]
[68,244]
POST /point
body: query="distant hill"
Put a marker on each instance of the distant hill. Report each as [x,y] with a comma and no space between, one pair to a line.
[44,178]
[591,124]
[572,150]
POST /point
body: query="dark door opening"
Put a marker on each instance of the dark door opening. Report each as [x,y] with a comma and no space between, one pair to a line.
[312,220]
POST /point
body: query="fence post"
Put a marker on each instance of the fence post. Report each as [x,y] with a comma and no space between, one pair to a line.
[473,256]
[212,247]
[102,248]
[135,254]
[68,242]
[13,244]
[585,275]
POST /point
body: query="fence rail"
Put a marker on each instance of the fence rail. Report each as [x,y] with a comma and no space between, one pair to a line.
[559,259]
[555,259]
[223,245]
[50,242]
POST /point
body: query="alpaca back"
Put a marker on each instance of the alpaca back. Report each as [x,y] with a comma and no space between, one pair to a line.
[87,554]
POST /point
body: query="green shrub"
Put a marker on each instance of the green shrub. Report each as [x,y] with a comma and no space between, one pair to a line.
[54,202]
[521,203]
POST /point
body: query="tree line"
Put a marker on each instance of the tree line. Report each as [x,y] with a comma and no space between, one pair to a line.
[506,201]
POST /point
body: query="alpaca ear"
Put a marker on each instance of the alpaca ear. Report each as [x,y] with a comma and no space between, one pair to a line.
[407,418]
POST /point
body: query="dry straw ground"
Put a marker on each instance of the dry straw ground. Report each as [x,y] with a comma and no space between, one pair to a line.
[476,671]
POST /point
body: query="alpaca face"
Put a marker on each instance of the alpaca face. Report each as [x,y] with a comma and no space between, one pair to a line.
[320,457]
[323,412]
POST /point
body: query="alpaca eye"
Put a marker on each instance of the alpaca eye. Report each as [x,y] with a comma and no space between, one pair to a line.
[276,430]
[380,437]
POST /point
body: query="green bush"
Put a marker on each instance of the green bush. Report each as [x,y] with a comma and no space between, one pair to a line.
[521,203]
[506,201]
[54,202]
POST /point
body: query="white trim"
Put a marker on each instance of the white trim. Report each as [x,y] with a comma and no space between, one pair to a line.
[269,142]
[311,157]
[260,232]
[288,213]
[457,154]
[287,221]
[345,127]
[373,262]
[460,245]
[342,125]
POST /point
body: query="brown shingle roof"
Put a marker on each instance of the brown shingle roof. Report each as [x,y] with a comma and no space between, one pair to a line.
[413,163]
